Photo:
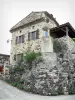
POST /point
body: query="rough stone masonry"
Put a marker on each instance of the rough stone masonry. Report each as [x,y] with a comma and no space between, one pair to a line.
[56,73]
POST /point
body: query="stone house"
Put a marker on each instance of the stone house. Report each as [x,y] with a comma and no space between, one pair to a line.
[40,32]
[36,33]
[32,34]
[4,59]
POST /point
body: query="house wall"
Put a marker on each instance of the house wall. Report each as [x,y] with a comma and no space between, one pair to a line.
[4,60]
[32,44]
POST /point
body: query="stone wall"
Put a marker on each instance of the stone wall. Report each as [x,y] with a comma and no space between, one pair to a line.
[55,74]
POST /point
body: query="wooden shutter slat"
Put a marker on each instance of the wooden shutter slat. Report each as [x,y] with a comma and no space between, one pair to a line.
[28,36]
[37,34]
[16,42]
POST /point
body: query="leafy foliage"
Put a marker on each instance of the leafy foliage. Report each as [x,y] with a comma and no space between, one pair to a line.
[59,46]
[73,39]
[71,88]
[15,76]
[30,56]
[60,90]
[16,69]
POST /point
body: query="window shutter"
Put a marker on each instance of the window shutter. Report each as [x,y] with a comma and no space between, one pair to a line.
[15,57]
[28,36]
[16,42]
[22,38]
[22,56]
[37,34]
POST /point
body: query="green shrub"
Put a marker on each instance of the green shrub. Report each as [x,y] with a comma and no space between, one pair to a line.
[30,56]
[71,88]
[20,86]
[59,46]
[60,90]
[17,69]
[73,39]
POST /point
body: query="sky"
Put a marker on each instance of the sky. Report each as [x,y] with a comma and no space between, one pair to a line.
[12,11]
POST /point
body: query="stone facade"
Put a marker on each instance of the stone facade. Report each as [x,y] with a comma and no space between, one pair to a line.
[32,45]
[53,72]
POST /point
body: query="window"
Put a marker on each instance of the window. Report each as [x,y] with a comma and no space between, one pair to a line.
[20,39]
[19,57]
[28,36]
[37,34]
[47,20]
[46,33]
[20,31]
[33,35]
[17,40]
[33,27]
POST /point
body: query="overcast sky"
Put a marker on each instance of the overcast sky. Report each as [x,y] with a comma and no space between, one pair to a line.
[12,11]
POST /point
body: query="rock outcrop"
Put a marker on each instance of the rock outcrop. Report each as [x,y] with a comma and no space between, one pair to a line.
[55,74]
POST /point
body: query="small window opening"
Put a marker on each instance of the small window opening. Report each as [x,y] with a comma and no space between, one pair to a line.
[33,27]
[46,33]
[20,31]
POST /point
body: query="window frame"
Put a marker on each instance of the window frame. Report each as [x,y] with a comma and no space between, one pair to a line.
[16,41]
[19,57]
[46,33]
[32,37]
[20,39]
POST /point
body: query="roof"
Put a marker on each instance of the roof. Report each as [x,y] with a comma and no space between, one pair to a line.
[33,16]
[61,30]
[4,55]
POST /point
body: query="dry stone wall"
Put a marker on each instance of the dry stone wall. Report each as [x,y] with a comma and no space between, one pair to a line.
[55,74]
